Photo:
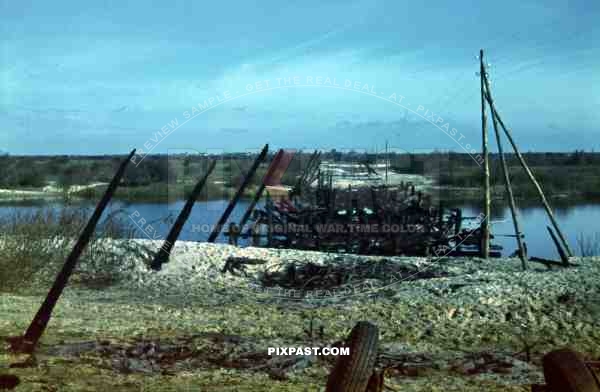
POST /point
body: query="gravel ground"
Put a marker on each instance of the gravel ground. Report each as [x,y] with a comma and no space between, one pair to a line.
[435,331]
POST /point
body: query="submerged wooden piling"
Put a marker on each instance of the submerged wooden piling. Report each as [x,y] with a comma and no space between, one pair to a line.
[162,256]
[27,342]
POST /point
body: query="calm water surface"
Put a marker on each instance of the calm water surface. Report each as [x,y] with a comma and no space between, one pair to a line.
[576,220]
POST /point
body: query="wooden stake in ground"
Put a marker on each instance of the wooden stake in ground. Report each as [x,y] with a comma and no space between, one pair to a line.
[162,256]
[27,342]
[531,178]
[219,226]
[485,230]
[511,199]
[387,162]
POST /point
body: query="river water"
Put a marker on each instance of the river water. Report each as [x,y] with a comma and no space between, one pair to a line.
[575,221]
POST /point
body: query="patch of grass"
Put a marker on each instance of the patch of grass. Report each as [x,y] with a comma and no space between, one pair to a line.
[35,245]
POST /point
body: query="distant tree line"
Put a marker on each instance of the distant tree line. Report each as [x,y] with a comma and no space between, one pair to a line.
[66,170]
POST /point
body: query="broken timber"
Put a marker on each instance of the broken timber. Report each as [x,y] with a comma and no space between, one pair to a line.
[162,256]
[27,342]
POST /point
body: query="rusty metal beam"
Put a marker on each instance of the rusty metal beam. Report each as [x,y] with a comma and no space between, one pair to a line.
[219,226]
[162,256]
[27,342]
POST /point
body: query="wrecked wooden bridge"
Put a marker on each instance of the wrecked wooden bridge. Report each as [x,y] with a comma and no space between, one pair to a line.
[375,220]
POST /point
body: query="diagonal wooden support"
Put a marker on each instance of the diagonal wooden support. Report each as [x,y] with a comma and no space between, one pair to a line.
[508,187]
[162,256]
[531,178]
[559,249]
[219,226]
[27,342]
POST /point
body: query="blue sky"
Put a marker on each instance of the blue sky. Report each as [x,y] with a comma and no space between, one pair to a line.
[101,79]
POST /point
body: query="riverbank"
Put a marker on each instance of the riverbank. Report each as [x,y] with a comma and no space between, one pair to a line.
[469,328]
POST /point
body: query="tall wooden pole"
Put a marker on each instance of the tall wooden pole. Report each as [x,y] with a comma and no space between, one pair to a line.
[511,199]
[531,178]
[485,228]
[387,162]
[27,342]
[162,256]
[219,226]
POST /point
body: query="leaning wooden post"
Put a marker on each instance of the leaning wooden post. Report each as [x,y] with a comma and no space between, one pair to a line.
[252,205]
[532,179]
[485,228]
[219,226]
[27,342]
[162,256]
[559,248]
[511,199]
[273,167]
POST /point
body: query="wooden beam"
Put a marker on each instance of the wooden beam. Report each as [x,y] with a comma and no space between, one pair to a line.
[559,248]
[511,199]
[261,189]
[219,226]
[27,343]
[531,178]
[162,256]
[485,229]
